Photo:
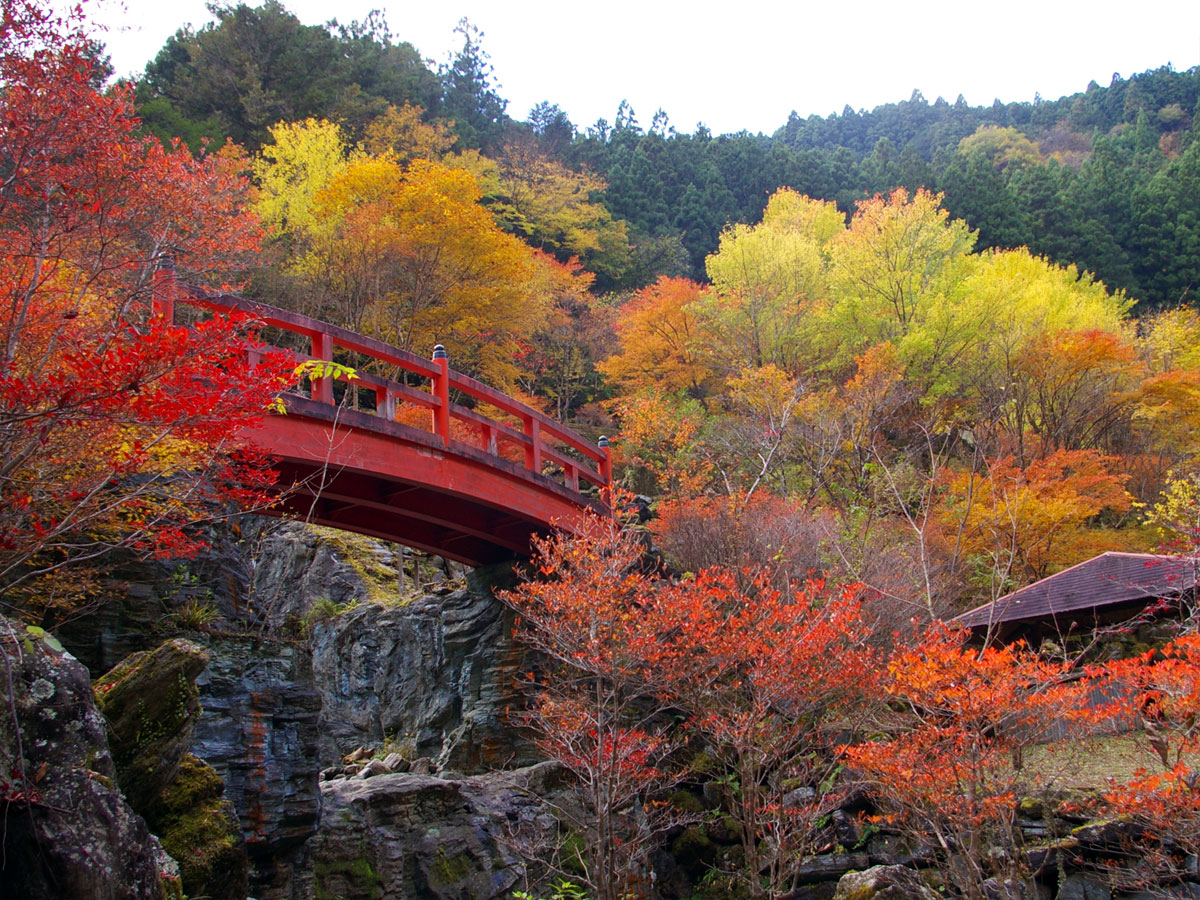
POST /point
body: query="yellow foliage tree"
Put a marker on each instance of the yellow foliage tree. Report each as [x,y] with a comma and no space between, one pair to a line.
[766,277]
[549,206]
[303,158]
[1001,146]
[660,341]
[417,261]
[1050,354]
[402,132]
[894,276]
[1171,340]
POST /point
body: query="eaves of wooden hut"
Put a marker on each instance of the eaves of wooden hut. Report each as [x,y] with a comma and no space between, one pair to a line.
[1108,589]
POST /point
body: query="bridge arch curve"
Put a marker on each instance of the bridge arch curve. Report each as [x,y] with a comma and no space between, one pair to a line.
[400,460]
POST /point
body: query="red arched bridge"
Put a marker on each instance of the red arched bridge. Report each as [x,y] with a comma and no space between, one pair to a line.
[400,460]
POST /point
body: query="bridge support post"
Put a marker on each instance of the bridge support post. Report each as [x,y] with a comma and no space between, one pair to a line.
[533,450]
[322,348]
[385,404]
[487,439]
[441,391]
[162,289]
[605,470]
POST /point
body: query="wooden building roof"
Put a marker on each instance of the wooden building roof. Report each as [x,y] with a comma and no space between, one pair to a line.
[1109,587]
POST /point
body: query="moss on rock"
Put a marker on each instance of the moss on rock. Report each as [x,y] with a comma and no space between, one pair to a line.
[335,879]
[199,829]
[151,704]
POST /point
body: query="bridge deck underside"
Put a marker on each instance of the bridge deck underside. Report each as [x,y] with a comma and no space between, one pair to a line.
[356,472]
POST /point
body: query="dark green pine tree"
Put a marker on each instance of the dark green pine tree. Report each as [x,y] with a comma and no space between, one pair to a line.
[701,214]
[470,95]
[1039,192]
[979,194]
[1166,231]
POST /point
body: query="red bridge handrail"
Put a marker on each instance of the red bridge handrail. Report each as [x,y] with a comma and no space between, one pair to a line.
[538,431]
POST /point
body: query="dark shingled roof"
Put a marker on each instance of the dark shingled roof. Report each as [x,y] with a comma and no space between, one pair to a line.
[1103,582]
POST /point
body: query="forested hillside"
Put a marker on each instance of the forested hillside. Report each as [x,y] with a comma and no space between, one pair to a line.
[868,371]
[1100,178]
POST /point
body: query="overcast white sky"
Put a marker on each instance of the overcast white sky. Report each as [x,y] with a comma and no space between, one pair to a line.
[744,64]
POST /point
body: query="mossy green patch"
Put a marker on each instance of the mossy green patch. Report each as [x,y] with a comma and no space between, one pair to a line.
[197,827]
[358,552]
[332,877]
[693,848]
[866,892]
[448,870]
[572,854]
[686,801]
[171,887]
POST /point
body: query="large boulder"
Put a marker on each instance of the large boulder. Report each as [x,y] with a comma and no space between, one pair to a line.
[151,704]
[884,883]
[404,836]
[198,828]
[67,832]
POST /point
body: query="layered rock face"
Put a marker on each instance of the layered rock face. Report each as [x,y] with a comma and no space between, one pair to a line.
[434,675]
[312,649]
[407,836]
[258,729]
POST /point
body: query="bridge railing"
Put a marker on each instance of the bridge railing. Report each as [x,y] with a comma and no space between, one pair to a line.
[542,441]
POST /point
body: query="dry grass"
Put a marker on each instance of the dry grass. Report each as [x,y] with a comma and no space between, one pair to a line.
[1091,764]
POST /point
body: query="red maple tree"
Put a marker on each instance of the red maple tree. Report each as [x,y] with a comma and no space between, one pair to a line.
[948,773]
[117,427]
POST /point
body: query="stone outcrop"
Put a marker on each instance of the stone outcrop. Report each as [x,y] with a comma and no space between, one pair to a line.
[263,576]
[298,566]
[68,832]
[312,651]
[152,706]
[199,829]
[404,836]
[884,883]
[435,673]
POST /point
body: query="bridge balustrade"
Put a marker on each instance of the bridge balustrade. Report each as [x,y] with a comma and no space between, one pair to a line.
[547,447]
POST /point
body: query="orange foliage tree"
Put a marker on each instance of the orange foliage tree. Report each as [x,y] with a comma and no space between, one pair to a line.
[1070,390]
[660,339]
[660,438]
[116,427]
[949,775]
[595,711]
[768,678]
[424,263]
[1158,694]
[1021,523]
[558,363]
[764,678]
